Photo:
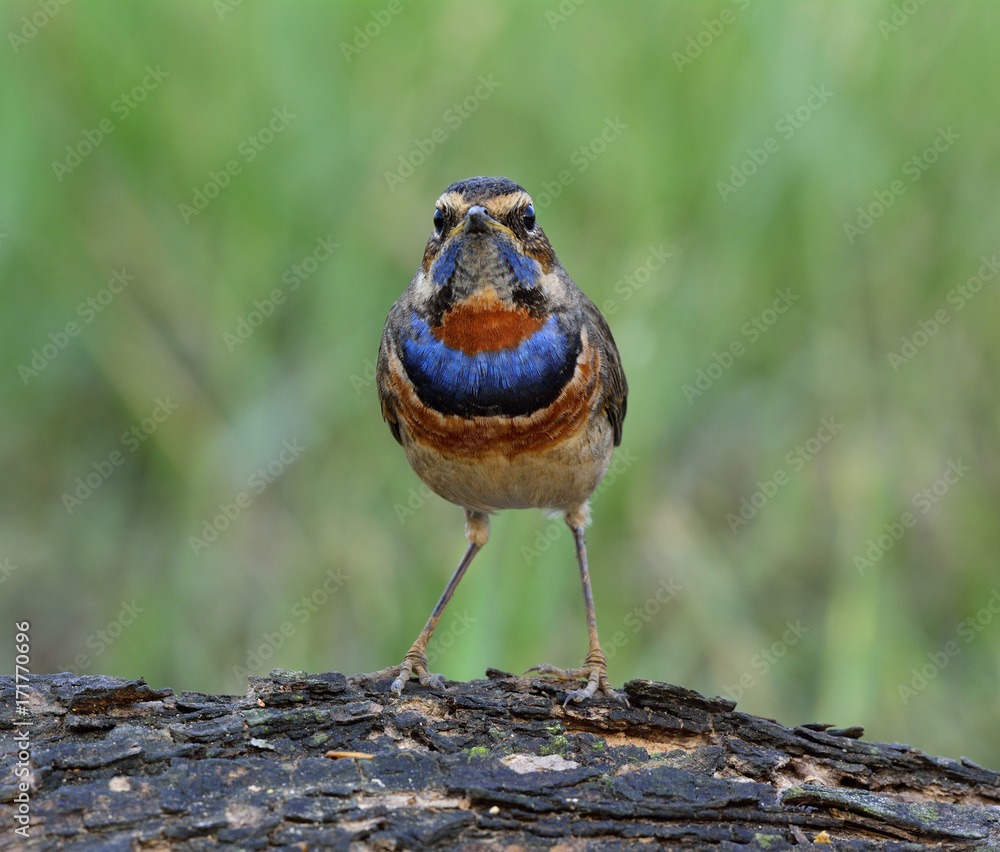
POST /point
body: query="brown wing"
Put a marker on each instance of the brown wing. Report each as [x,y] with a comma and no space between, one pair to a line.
[615,386]
[384,396]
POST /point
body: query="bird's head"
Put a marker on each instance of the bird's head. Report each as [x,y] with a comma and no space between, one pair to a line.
[486,245]
[491,324]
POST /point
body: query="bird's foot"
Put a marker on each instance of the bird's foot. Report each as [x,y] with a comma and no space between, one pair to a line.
[414,663]
[594,670]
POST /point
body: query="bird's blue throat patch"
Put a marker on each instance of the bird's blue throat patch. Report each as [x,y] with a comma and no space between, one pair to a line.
[444,265]
[525,269]
[506,382]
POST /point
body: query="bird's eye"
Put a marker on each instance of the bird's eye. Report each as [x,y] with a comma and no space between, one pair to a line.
[438,221]
[529,217]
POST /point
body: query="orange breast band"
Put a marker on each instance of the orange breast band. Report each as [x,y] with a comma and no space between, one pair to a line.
[472,328]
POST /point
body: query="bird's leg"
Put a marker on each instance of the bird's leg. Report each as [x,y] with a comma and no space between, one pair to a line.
[595,667]
[477,532]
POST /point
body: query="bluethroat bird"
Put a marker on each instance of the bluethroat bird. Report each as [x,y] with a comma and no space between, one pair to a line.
[503,384]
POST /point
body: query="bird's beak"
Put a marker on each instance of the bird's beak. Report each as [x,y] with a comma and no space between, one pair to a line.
[478,221]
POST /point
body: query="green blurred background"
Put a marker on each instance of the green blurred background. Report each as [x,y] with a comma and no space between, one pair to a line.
[737,138]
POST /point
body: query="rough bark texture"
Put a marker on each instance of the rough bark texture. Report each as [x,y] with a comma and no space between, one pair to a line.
[494,763]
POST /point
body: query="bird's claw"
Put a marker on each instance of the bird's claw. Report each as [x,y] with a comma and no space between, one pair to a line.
[596,675]
[415,663]
[399,683]
[434,681]
[579,695]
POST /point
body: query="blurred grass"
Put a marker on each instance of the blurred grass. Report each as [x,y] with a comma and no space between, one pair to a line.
[304,375]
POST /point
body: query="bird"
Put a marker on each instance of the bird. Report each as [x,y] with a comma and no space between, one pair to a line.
[503,384]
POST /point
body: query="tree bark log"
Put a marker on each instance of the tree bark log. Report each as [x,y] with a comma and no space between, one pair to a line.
[328,762]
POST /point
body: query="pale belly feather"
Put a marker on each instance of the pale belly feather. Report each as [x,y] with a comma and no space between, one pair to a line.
[559,477]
